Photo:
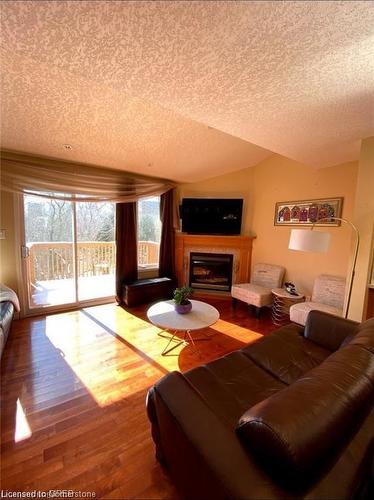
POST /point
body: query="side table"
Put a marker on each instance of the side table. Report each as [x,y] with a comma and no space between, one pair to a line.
[282,301]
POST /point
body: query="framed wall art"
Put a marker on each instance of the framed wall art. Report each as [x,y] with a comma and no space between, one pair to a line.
[308,212]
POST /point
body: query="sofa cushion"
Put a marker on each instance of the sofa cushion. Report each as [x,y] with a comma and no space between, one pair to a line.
[294,431]
[364,337]
[231,384]
[328,331]
[286,354]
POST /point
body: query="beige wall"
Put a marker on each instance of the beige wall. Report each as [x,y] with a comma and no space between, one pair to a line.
[8,270]
[364,220]
[281,179]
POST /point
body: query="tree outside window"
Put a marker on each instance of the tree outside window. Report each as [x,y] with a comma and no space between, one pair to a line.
[149,231]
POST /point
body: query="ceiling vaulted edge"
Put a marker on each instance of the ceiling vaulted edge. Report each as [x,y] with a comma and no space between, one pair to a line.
[187,90]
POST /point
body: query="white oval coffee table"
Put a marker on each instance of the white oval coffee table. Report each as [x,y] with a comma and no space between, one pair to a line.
[164,316]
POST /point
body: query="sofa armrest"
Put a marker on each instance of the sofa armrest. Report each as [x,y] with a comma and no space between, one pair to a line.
[327,330]
[6,318]
[202,453]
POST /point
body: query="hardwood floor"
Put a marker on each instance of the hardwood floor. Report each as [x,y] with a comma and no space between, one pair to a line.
[73,397]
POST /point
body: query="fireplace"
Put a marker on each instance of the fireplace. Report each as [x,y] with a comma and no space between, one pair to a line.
[211,271]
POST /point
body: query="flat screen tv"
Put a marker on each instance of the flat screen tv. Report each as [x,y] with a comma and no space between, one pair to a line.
[211,216]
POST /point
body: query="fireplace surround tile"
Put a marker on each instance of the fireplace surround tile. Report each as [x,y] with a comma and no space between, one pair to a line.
[240,247]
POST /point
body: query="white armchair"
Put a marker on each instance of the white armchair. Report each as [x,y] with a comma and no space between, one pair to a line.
[328,296]
[258,292]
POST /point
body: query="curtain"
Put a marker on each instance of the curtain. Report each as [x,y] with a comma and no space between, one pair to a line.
[26,174]
[167,246]
[127,246]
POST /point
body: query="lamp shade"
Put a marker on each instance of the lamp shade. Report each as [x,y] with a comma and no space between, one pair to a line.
[307,240]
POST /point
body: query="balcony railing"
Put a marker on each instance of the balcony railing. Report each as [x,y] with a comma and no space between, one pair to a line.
[54,260]
[148,253]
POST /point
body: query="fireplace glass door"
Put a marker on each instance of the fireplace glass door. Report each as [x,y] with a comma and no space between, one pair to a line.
[211,271]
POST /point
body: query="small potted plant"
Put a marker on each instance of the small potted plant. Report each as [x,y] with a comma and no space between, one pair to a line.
[181,295]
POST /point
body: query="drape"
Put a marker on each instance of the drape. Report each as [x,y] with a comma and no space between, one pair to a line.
[50,178]
[127,246]
[167,245]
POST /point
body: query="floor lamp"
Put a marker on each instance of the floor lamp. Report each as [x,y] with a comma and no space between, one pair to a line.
[307,240]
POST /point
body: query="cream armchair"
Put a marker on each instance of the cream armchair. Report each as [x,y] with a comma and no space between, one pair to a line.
[328,296]
[258,292]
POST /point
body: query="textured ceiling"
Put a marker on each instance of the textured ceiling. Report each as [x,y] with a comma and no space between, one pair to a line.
[45,108]
[135,83]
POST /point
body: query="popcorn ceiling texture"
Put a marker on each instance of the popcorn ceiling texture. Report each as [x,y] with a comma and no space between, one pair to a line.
[132,83]
[44,108]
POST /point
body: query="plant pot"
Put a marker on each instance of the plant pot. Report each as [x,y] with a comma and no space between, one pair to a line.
[183,308]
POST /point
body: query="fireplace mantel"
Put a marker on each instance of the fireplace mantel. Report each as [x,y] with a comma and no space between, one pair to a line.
[239,246]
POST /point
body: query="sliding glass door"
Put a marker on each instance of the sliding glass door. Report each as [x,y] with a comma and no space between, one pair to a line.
[69,251]
[95,250]
[49,251]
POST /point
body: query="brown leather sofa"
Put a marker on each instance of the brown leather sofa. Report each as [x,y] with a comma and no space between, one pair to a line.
[290,416]
[6,318]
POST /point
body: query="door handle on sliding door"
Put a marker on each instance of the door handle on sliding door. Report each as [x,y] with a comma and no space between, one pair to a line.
[25,251]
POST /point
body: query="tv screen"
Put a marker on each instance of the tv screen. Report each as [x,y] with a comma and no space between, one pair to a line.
[211,216]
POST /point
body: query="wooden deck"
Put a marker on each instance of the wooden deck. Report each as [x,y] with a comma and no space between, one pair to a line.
[62,291]
[73,398]
[51,270]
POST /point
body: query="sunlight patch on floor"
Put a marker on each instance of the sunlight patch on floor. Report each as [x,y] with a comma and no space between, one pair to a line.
[236,332]
[123,367]
[137,332]
[113,353]
[22,430]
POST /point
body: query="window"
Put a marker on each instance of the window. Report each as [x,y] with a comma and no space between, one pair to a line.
[149,232]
